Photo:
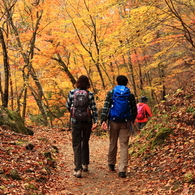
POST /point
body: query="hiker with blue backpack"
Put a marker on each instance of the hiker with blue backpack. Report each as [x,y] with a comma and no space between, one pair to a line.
[118,114]
[84,118]
[143,112]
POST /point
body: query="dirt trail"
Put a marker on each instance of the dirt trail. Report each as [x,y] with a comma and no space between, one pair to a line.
[99,180]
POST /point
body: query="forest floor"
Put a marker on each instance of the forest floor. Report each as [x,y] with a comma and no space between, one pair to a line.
[42,164]
[40,176]
[55,177]
[98,180]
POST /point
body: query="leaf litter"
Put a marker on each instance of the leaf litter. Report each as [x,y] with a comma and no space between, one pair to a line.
[43,163]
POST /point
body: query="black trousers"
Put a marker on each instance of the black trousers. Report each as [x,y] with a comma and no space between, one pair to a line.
[141,125]
[80,142]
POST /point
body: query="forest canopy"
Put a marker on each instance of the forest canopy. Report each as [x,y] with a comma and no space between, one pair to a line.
[46,45]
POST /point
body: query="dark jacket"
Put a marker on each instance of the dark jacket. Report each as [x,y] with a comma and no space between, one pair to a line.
[92,105]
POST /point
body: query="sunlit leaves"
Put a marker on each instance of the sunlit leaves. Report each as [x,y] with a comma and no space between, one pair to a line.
[100,37]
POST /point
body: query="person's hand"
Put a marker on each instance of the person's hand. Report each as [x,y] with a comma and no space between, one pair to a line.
[104,126]
[94,126]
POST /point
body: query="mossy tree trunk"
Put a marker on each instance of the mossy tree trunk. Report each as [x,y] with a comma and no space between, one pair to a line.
[12,120]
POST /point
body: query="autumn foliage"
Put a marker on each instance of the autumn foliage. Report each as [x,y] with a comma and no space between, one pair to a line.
[46,45]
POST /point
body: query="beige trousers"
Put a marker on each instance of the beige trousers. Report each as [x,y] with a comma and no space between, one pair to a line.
[122,132]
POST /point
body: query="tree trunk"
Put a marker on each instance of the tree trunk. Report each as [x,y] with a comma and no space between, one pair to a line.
[65,68]
[162,78]
[5,92]
[41,108]
[12,120]
[140,73]
[132,74]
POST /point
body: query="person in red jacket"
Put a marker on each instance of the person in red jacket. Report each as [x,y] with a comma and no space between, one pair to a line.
[143,112]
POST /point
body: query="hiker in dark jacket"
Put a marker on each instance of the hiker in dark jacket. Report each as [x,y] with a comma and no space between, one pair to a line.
[118,129]
[81,130]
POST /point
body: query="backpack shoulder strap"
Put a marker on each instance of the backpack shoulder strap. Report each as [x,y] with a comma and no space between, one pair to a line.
[141,106]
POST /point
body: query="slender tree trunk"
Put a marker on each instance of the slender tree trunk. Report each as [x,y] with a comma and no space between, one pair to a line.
[5,93]
[140,73]
[152,93]
[65,68]
[41,107]
[1,88]
[38,95]
[11,94]
[24,104]
[132,74]
[88,74]
[162,77]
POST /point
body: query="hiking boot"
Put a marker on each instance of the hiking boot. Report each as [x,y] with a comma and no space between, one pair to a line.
[78,173]
[111,167]
[85,168]
[122,174]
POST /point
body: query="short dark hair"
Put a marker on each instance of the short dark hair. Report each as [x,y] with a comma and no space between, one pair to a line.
[122,80]
[83,82]
[144,99]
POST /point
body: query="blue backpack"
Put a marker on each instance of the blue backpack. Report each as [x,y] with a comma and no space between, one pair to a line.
[120,108]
